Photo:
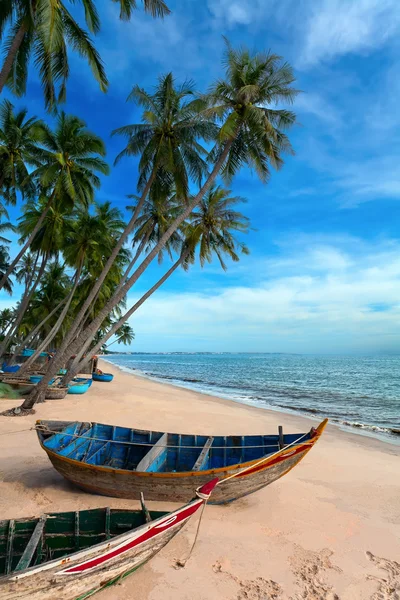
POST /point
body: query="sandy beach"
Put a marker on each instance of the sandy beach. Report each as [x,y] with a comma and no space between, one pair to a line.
[329,529]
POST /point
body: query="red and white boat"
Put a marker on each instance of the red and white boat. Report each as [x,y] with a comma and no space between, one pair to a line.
[71,556]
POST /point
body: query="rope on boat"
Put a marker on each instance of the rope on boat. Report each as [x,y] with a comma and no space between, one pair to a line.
[17,431]
[86,437]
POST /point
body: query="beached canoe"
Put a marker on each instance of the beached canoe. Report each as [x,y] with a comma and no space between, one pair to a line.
[106,377]
[122,462]
[70,556]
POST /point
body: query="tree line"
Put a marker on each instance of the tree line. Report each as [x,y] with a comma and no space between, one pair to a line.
[190,147]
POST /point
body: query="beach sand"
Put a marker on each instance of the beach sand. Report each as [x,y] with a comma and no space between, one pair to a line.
[329,529]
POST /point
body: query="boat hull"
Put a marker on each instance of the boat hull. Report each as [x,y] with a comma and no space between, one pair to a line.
[83,573]
[244,478]
[105,377]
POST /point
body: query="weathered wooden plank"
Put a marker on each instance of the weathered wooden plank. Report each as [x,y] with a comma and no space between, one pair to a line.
[154,452]
[10,540]
[281,442]
[77,530]
[203,455]
[31,546]
[108,519]
[144,508]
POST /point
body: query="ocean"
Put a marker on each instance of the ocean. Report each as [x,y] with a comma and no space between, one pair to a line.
[361,393]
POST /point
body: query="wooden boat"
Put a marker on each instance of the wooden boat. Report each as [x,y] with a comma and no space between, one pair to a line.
[123,462]
[106,377]
[70,556]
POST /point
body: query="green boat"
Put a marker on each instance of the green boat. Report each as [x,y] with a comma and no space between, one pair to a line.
[72,555]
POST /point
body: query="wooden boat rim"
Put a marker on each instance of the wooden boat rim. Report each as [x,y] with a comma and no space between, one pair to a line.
[178,474]
[64,561]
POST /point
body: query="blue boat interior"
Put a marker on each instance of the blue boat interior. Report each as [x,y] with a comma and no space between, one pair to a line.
[153,451]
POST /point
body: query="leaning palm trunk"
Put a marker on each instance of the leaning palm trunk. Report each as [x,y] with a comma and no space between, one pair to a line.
[27,243]
[32,334]
[38,393]
[55,329]
[78,363]
[9,61]
[22,308]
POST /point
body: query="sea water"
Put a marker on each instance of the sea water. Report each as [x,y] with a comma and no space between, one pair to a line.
[359,392]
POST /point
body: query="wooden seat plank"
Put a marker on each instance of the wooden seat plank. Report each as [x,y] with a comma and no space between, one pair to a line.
[203,455]
[31,546]
[153,454]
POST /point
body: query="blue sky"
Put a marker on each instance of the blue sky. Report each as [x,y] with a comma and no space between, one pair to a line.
[324,269]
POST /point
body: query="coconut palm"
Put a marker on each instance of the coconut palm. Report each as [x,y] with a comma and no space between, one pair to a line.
[46,302]
[251,133]
[4,265]
[211,227]
[45,245]
[19,137]
[211,231]
[86,239]
[46,29]
[168,141]
[70,157]
[7,315]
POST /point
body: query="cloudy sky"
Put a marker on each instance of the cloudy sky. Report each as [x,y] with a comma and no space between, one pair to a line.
[324,270]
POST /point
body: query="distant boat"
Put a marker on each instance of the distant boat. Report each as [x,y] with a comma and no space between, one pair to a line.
[106,377]
[122,462]
[79,385]
[71,555]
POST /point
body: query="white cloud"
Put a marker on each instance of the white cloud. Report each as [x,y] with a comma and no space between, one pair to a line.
[320,29]
[320,298]
[339,27]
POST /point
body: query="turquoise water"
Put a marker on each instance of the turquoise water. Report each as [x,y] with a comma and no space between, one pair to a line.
[362,393]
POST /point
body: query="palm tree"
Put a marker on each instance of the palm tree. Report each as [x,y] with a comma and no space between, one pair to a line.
[154,219]
[45,245]
[168,141]
[7,315]
[251,133]
[211,230]
[86,239]
[46,29]
[4,265]
[46,302]
[19,137]
[27,269]
[70,157]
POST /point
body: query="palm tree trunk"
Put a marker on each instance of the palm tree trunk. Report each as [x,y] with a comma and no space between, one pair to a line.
[57,362]
[8,63]
[31,335]
[28,242]
[78,364]
[134,259]
[56,327]
[22,308]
